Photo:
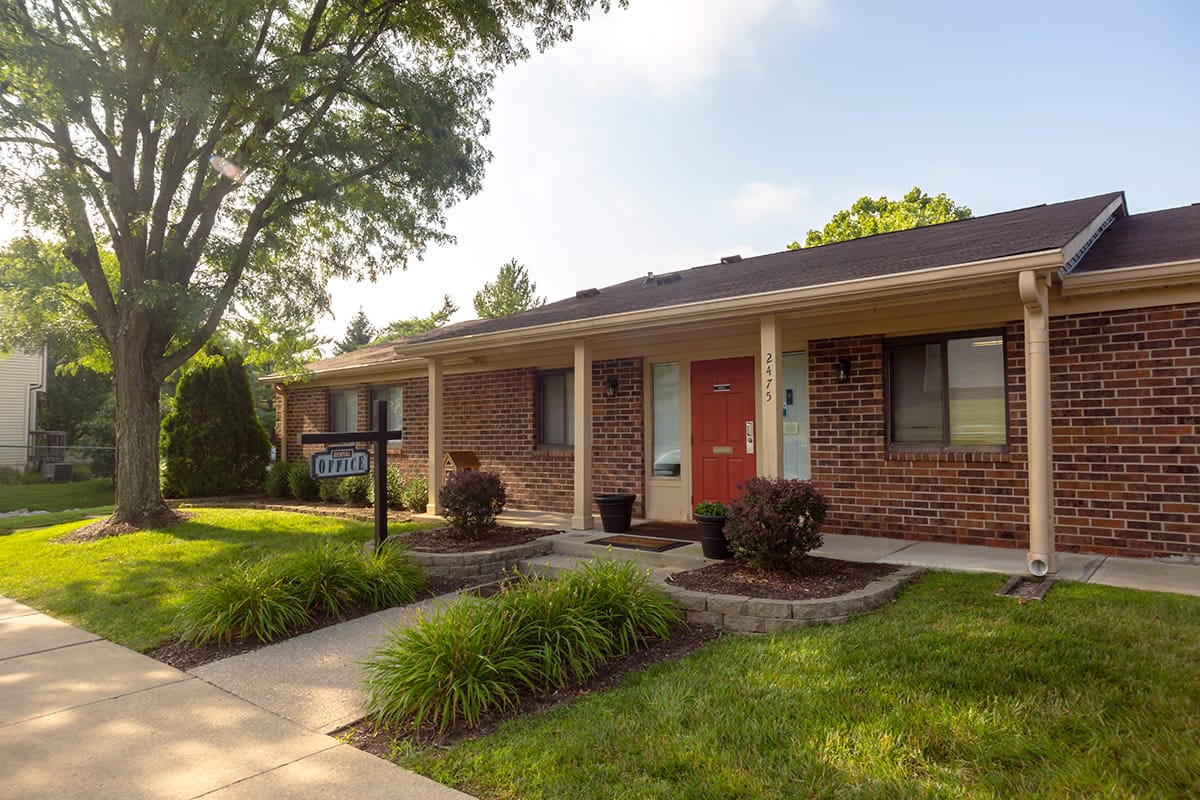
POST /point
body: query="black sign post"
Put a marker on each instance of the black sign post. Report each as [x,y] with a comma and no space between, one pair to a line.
[380,436]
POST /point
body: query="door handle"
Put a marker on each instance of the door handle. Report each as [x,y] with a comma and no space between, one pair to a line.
[749,437]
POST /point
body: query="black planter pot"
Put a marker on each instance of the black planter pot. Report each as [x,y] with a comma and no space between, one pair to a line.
[616,511]
[712,536]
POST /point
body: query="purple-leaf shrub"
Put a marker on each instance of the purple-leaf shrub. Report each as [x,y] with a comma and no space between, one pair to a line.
[776,521]
[472,500]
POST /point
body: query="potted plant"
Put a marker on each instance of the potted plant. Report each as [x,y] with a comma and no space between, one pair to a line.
[710,517]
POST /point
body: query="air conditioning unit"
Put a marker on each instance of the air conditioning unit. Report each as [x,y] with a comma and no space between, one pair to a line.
[58,473]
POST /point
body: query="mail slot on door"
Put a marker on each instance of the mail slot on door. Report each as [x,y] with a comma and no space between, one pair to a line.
[722,451]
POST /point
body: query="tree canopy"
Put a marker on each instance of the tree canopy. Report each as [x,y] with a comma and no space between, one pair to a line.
[512,292]
[869,216]
[359,333]
[231,150]
[417,324]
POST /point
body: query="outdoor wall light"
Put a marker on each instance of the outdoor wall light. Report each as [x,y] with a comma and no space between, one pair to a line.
[610,388]
[843,370]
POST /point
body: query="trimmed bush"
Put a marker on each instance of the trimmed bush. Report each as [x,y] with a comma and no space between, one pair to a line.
[775,522]
[81,472]
[394,481]
[277,483]
[415,494]
[327,490]
[477,656]
[212,441]
[251,599]
[303,485]
[472,500]
[356,489]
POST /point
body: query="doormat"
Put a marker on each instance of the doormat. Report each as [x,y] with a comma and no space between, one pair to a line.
[638,542]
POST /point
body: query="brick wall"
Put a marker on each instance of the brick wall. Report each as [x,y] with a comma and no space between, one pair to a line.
[1126,394]
[492,414]
[1125,405]
[969,498]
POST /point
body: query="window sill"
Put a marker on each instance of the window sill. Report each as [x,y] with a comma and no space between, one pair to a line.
[998,454]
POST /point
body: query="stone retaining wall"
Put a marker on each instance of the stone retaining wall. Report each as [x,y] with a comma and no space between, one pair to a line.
[481,564]
[743,614]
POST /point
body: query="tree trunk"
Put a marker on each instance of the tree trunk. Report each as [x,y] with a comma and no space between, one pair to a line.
[139,498]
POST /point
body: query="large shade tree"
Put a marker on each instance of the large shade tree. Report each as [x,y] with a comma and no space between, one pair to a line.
[871,215]
[239,149]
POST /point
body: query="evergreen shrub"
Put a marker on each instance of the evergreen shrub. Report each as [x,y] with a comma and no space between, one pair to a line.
[303,485]
[415,495]
[328,490]
[775,522]
[277,481]
[356,489]
[212,441]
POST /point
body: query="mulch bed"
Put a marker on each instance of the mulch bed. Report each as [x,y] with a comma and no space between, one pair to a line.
[447,540]
[365,736]
[185,655]
[814,578]
[105,528]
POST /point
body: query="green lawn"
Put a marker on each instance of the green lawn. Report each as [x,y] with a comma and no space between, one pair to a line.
[949,693]
[9,524]
[129,588]
[56,496]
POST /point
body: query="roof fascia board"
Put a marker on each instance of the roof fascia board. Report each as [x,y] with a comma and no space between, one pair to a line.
[1127,279]
[389,367]
[1081,239]
[857,290]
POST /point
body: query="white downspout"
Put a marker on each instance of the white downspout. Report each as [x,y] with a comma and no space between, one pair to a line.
[1041,558]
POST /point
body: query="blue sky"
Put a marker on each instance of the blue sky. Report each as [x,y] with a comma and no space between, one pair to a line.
[668,134]
[677,131]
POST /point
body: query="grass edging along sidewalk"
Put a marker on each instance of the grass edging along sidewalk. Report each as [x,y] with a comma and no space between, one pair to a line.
[129,588]
[948,692]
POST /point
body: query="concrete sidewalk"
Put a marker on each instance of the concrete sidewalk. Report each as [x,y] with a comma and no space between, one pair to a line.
[1130,573]
[83,717]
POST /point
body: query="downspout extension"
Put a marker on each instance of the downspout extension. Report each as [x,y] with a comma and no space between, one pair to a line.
[1041,558]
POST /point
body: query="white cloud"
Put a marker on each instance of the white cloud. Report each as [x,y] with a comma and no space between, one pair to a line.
[667,47]
[759,201]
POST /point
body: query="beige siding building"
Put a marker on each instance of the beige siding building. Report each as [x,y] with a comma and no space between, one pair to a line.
[22,377]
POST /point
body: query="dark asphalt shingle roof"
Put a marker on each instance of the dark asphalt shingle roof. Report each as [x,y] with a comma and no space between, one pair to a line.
[1157,237]
[1010,233]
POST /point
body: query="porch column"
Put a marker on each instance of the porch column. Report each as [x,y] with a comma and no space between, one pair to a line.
[1041,558]
[581,520]
[770,427]
[436,449]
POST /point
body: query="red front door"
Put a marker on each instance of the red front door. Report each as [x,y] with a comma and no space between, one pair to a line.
[722,410]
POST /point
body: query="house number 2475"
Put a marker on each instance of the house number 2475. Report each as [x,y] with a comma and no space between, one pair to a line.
[769,377]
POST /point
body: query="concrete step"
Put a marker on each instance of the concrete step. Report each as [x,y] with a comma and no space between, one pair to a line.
[681,558]
[552,566]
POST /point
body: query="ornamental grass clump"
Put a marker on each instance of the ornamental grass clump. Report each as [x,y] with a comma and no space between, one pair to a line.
[251,599]
[775,522]
[331,579]
[472,500]
[478,656]
[275,597]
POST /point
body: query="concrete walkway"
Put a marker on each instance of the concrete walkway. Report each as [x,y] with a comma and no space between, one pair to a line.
[83,717]
[1131,573]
